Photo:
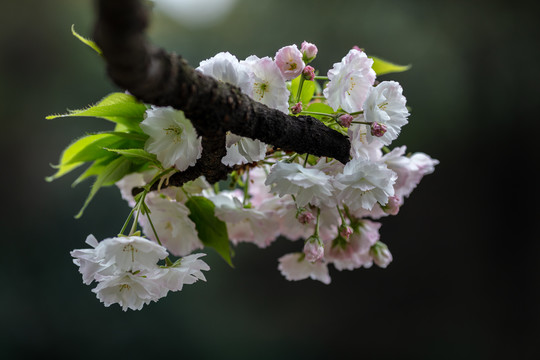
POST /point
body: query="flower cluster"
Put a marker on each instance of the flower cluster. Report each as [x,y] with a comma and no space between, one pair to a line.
[127,272]
[332,207]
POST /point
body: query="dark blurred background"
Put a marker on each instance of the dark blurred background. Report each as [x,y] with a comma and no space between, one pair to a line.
[465,277]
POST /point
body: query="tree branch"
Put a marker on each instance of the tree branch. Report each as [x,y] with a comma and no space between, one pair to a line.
[165,79]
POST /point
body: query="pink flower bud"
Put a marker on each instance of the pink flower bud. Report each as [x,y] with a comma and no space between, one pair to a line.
[313,249]
[306,217]
[392,207]
[355,47]
[380,254]
[309,51]
[345,120]
[309,73]
[289,61]
[345,232]
[296,109]
[378,129]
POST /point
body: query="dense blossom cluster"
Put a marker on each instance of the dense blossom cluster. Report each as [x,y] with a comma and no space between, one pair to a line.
[331,207]
[127,272]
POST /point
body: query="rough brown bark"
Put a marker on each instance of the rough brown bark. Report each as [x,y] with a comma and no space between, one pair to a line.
[165,79]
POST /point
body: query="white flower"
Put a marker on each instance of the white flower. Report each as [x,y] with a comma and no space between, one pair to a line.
[242,150]
[409,170]
[295,267]
[129,290]
[245,224]
[269,85]
[364,183]
[259,192]
[226,67]
[170,219]
[130,253]
[308,185]
[88,261]
[386,105]
[289,61]
[173,138]
[185,272]
[350,82]
[125,269]
[131,181]
[360,148]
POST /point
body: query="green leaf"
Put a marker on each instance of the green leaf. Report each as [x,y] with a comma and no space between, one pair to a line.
[95,169]
[110,174]
[92,147]
[320,108]
[120,108]
[68,158]
[308,90]
[138,156]
[382,67]
[86,41]
[128,135]
[212,231]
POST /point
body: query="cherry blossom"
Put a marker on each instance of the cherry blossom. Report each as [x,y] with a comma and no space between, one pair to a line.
[170,219]
[364,183]
[350,82]
[295,267]
[289,61]
[172,137]
[269,85]
[386,107]
[308,185]
[226,67]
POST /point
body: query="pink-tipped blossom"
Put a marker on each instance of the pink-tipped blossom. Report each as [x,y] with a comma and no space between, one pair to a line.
[313,249]
[289,61]
[345,120]
[350,82]
[295,267]
[380,254]
[345,232]
[409,170]
[309,73]
[378,129]
[309,51]
[306,217]
[354,253]
[297,109]
[392,207]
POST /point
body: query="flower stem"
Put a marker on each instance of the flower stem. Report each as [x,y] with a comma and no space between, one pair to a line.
[316,113]
[321,77]
[299,93]
[316,233]
[246,188]
[127,220]
[340,214]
